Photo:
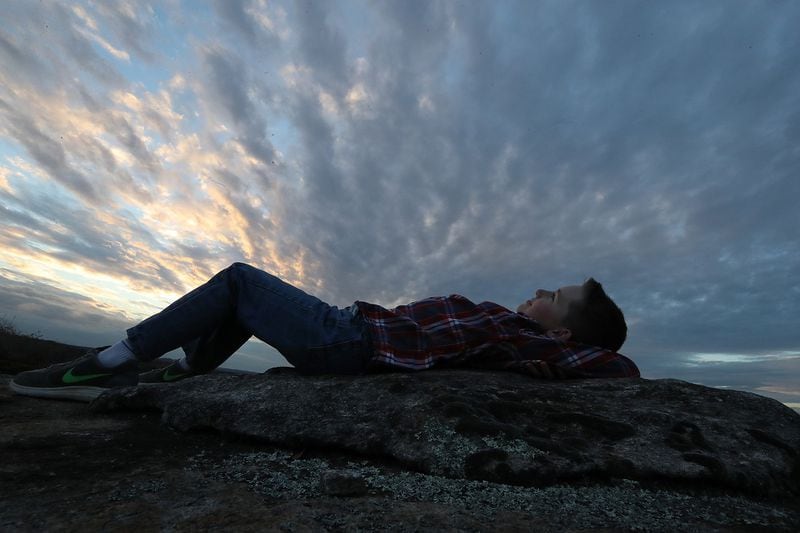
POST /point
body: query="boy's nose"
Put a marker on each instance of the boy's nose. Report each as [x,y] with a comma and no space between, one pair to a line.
[541,293]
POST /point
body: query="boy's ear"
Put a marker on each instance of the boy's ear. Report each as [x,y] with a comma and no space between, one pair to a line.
[562,334]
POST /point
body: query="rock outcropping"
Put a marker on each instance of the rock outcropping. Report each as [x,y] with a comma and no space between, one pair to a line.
[439,450]
[502,427]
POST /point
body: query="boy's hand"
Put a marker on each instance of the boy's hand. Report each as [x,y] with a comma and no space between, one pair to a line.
[542,369]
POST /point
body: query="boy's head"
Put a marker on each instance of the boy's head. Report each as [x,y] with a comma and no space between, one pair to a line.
[582,313]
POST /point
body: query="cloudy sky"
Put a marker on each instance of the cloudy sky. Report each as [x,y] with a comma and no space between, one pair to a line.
[389,151]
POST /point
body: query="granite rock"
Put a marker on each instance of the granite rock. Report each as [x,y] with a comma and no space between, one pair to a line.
[501,427]
[440,450]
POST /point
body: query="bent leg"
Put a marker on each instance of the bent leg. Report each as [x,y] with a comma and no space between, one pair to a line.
[241,301]
[211,350]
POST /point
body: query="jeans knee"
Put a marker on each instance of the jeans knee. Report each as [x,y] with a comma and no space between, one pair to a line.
[242,272]
[241,268]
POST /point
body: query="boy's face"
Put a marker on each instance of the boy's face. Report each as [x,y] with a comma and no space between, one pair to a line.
[550,308]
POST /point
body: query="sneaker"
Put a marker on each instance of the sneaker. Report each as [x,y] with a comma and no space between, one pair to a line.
[83,379]
[168,374]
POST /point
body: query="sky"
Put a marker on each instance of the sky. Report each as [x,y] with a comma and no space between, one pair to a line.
[390,151]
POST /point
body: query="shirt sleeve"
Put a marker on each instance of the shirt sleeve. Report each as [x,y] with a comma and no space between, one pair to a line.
[545,358]
[576,360]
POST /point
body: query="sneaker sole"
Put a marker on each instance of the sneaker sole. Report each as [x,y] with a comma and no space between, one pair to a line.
[81,394]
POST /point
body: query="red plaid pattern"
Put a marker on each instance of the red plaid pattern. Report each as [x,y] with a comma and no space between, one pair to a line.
[453,331]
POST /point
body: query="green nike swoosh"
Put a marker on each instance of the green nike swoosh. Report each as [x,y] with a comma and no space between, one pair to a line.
[70,378]
[171,377]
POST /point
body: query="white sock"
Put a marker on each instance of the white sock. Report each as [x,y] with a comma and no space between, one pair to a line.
[184,364]
[116,355]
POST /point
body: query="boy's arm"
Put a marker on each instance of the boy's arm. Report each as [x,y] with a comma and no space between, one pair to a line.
[547,358]
[505,356]
[539,369]
[579,360]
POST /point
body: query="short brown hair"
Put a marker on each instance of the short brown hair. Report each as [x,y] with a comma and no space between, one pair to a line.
[596,319]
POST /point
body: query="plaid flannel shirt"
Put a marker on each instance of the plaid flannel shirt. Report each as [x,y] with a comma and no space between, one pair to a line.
[453,331]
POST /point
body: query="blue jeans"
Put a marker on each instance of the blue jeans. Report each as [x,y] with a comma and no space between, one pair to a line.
[214,320]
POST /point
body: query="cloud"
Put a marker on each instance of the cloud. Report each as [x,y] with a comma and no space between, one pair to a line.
[30,303]
[132,25]
[768,374]
[228,86]
[321,45]
[257,21]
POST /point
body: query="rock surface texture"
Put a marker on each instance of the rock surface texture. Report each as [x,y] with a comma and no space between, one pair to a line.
[451,450]
[502,427]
